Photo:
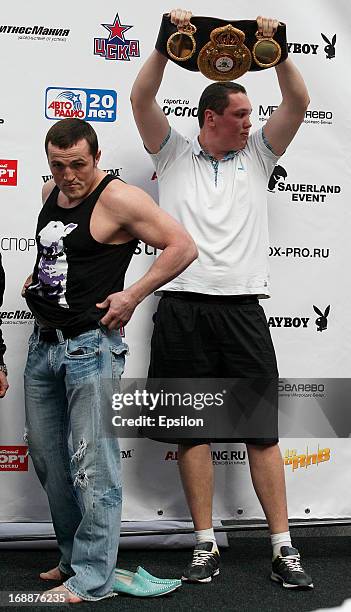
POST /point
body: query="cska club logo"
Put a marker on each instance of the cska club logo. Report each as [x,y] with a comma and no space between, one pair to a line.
[116,47]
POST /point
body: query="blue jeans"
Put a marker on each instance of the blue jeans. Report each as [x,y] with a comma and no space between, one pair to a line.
[68,387]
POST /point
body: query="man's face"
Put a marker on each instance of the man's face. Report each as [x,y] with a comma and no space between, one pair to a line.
[73,169]
[232,128]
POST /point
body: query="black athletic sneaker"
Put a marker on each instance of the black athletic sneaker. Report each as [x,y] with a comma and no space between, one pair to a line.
[286,568]
[204,565]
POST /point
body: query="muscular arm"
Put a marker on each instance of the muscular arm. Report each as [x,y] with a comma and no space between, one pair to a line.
[135,212]
[283,124]
[287,118]
[150,119]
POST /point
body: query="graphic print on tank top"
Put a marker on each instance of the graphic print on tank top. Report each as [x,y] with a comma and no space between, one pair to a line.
[53,266]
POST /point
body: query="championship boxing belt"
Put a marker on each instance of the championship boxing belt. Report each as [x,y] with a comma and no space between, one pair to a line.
[221,50]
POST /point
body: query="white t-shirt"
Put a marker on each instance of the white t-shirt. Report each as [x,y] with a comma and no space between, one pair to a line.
[223,205]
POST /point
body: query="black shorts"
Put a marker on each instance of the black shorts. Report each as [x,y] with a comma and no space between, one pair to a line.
[207,336]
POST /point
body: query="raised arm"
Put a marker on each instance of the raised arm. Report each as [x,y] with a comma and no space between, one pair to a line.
[283,124]
[149,117]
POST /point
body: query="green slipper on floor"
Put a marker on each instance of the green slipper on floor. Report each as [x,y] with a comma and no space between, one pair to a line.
[142,572]
[135,584]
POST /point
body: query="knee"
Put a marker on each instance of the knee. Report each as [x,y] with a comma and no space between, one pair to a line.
[112,497]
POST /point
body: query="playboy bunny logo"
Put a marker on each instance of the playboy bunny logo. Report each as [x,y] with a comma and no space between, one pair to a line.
[321,322]
[330,46]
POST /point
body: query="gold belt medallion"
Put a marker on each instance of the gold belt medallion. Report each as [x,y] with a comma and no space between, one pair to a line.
[266,51]
[225,57]
[181,45]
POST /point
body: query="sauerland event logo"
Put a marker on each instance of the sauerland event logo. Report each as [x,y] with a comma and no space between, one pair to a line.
[219,456]
[301,193]
[36,32]
[116,47]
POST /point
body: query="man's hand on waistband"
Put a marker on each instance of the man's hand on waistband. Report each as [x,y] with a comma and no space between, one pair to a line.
[4,385]
[120,306]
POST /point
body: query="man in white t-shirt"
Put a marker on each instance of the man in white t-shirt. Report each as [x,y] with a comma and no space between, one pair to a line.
[209,322]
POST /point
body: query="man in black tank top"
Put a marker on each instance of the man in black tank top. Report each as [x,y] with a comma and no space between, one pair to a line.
[86,234]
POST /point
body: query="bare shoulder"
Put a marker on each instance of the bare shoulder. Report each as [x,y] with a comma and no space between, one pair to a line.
[47,189]
[119,196]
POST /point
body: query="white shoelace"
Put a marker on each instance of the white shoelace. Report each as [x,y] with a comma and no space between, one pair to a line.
[293,563]
[201,556]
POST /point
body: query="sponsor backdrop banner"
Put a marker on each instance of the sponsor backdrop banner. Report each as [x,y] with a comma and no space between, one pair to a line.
[74,63]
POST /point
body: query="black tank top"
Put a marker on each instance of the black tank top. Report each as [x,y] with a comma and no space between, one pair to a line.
[73,271]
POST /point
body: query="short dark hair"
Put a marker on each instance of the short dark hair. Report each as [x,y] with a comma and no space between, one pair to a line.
[216,97]
[68,132]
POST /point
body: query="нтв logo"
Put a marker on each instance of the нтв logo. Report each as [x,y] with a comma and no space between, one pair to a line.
[330,46]
[8,172]
[278,173]
[115,47]
[321,322]
[88,104]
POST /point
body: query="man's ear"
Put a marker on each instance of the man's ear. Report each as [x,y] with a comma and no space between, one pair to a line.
[97,158]
[209,116]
